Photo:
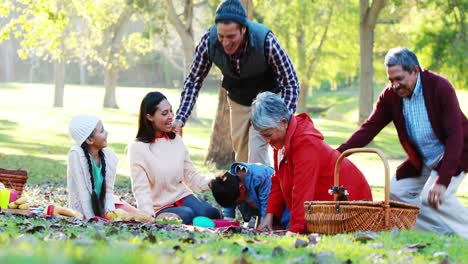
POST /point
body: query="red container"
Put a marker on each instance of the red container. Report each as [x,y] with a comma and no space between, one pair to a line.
[50,209]
[225,223]
[13,195]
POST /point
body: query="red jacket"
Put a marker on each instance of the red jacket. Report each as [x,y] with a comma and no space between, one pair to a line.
[306,173]
[447,120]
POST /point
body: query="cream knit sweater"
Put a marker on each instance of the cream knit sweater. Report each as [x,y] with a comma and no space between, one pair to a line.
[162,173]
[79,181]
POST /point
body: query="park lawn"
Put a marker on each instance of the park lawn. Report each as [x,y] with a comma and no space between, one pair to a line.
[62,241]
[34,135]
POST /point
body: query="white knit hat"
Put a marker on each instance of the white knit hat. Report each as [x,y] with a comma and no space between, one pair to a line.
[81,126]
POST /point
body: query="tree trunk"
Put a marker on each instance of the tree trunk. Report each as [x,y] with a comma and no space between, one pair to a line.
[8,60]
[307,69]
[220,151]
[301,49]
[111,69]
[83,74]
[110,82]
[185,32]
[59,80]
[302,101]
[368,19]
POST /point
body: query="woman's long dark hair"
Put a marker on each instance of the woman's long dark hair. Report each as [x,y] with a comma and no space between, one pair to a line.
[96,202]
[149,105]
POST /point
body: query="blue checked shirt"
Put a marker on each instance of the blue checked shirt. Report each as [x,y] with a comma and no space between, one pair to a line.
[419,127]
[275,56]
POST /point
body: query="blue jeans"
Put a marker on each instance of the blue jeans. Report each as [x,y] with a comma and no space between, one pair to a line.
[191,208]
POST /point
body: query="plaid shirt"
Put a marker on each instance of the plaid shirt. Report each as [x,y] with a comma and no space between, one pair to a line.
[419,127]
[275,56]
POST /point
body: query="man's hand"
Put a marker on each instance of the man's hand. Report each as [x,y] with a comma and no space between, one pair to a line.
[177,126]
[266,224]
[436,194]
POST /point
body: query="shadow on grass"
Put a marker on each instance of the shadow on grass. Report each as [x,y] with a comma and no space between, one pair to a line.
[39,148]
[40,170]
[8,126]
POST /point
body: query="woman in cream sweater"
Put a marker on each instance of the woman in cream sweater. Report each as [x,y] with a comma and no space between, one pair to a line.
[163,176]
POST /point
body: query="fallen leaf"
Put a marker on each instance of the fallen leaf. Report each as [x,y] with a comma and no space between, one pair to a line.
[55,236]
[33,229]
[411,248]
[395,232]
[242,260]
[29,239]
[113,230]
[365,236]
[177,248]
[416,245]
[188,240]
[245,250]
[277,251]
[325,258]
[150,238]
[441,254]
[222,251]
[300,259]
[314,239]
[300,243]
[444,261]
[376,245]
[99,236]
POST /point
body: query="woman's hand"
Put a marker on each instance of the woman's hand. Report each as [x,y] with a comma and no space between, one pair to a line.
[266,224]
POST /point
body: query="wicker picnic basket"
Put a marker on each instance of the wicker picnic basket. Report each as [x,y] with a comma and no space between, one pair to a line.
[14,179]
[334,217]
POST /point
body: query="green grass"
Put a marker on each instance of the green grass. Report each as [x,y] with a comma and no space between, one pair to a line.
[34,136]
[56,241]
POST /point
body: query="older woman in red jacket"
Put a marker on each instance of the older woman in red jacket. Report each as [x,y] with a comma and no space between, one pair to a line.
[304,163]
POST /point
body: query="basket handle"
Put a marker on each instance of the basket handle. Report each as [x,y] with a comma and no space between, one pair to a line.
[365,150]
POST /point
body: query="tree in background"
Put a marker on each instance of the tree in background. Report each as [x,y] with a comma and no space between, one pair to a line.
[441,38]
[303,30]
[368,20]
[112,45]
[183,24]
[45,29]
[84,31]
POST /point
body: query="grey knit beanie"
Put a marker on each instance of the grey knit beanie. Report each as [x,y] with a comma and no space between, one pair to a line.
[231,10]
[81,126]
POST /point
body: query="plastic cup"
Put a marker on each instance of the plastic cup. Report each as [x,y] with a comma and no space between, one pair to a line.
[4,198]
[50,209]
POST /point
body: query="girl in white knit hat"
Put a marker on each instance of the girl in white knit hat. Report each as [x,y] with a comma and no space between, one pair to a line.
[91,169]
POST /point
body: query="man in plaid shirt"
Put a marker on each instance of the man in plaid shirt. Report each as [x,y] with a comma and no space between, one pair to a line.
[252,61]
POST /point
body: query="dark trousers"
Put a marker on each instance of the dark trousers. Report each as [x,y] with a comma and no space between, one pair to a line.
[191,208]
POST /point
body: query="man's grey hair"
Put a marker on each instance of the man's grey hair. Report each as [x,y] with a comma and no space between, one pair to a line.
[268,110]
[402,56]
